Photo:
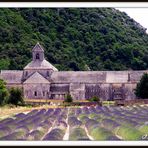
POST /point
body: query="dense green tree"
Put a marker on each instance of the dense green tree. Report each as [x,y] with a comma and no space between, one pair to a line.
[68,98]
[74,65]
[141,90]
[74,38]
[94,99]
[16,96]
[3,92]
[4,64]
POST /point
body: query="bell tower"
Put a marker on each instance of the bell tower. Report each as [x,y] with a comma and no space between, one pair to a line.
[38,64]
[38,53]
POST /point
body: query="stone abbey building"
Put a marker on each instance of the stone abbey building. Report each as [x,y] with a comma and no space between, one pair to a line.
[41,80]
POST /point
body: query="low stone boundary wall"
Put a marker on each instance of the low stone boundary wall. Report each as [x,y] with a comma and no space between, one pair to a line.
[131,102]
[85,103]
[42,101]
[117,102]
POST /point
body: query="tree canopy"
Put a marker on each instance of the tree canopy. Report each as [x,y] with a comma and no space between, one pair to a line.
[3,92]
[68,98]
[73,38]
[141,90]
[16,96]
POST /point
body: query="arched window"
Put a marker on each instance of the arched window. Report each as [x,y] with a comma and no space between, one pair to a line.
[37,56]
[47,73]
[35,93]
[128,77]
[26,92]
[43,93]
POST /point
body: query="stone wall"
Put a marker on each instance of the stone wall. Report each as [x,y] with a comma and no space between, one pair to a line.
[129,91]
[12,76]
[135,76]
[92,90]
[96,76]
[108,85]
[77,91]
[59,91]
[105,91]
[117,76]
[36,91]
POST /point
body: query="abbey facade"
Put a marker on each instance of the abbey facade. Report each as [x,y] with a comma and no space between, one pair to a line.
[41,80]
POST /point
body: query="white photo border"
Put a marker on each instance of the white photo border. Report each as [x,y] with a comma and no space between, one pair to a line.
[76,5]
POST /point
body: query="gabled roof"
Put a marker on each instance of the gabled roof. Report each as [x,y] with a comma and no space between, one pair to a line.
[38,47]
[40,65]
[11,76]
[36,78]
[104,77]
[78,77]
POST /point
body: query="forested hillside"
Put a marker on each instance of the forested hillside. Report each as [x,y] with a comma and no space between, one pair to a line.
[74,39]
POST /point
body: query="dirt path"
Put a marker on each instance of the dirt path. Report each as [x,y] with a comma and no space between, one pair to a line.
[66,136]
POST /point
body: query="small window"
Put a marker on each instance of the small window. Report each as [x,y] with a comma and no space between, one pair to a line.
[47,73]
[37,56]
[35,93]
[128,77]
[26,74]
[43,93]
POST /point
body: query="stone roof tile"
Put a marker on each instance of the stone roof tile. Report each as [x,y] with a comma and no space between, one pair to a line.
[11,76]
[36,78]
[38,47]
[78,76]
[96,76]
[40,65]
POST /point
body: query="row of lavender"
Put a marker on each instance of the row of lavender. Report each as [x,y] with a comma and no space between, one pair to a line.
[35,125]
[113,123]
[86,123]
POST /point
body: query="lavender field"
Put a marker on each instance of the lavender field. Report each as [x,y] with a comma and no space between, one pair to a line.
[85,123]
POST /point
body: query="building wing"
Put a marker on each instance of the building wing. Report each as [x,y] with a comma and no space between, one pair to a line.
[78,77]
[12,76]
[96,76]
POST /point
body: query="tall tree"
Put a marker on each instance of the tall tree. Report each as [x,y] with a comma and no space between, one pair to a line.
[141,90]
[3,92]
[16,96]
[68,98]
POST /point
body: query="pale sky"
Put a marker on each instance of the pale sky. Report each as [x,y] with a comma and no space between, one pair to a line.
[140,15]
